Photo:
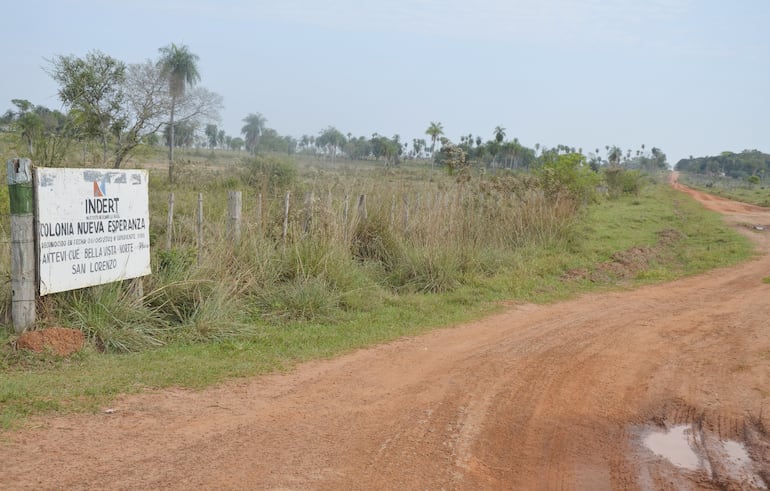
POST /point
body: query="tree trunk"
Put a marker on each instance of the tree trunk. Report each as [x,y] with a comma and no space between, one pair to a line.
[171,143]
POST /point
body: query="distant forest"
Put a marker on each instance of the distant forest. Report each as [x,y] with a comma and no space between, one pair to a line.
[737,165]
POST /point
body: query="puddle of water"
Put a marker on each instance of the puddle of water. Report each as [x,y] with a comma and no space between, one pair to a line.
[736,453]
[687,449]
[737,463]
[676,447]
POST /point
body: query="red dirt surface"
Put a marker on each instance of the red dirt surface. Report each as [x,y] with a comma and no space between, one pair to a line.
[538,397]
[59,340]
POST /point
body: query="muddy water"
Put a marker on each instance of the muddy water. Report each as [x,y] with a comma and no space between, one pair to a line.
[677,446]
[692,450]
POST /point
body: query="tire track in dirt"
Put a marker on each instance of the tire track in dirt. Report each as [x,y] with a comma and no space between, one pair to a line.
[537,397]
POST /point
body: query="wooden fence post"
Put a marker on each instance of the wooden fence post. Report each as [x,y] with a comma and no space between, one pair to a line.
[329,219]
[234,207]
[199,228]
[286,217]
[22,205]
[481,204]
[259,212]
[406,212]
[362,212]
[170,220]
[345,215]
[392,210]
[309,198]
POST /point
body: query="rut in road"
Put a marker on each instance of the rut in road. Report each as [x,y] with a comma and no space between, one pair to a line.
[553,396]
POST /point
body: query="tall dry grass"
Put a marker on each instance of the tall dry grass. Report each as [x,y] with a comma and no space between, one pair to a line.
[353,238]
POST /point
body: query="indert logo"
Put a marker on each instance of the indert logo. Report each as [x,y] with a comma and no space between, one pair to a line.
[100,204]
[100,189]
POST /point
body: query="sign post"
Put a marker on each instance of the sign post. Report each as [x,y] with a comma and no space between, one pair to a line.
[20,193]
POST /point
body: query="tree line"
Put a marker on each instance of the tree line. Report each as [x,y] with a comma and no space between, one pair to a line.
[110,108]
[497,152]
[749,164]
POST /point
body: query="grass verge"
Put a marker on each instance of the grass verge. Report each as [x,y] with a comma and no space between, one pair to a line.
[730,188]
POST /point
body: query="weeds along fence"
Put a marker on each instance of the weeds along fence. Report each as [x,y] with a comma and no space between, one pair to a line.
[366,221]
[398,236]
[230,254]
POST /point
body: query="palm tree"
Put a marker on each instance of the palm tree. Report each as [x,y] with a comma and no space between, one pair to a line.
[614,155]
[659,157]
[434,130]
[252,130]
[180,66]
[499,134]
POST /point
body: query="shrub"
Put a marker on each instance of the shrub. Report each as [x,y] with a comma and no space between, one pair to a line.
[302,298]
[373,240]
[270,172]
[570,174]
[218,314]
[113,320]
[622,181]
[428,270]
[175,261]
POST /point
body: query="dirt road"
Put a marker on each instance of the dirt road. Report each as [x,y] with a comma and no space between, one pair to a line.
[664,387]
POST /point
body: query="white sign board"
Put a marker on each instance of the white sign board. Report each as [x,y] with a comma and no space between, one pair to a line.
[93,227]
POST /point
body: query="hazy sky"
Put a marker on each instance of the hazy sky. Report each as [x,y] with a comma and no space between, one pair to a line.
[688,76]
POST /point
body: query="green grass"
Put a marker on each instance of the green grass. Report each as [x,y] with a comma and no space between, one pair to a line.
[37,384]
[703,240]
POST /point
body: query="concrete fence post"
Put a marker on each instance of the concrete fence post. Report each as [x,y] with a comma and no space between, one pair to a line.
[23,279]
